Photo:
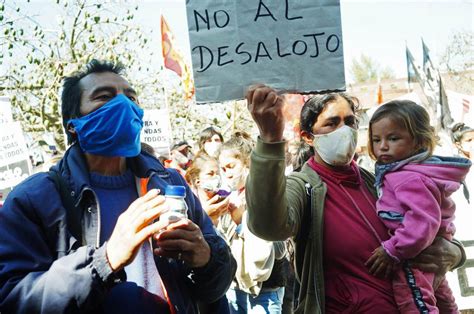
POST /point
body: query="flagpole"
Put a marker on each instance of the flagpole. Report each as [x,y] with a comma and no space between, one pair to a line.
[408,67]
[165,93]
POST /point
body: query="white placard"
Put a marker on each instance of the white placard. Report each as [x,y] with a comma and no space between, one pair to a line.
[156,130]
[291,45]
[15,165]
[5,110]
[12,144]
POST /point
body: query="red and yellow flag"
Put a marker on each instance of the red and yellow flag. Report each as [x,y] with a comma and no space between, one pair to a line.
[379,94]
[174,61]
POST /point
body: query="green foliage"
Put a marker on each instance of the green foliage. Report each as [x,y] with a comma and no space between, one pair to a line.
[83,31]
[34,58]
[365,69]
[188,119]
[458,61]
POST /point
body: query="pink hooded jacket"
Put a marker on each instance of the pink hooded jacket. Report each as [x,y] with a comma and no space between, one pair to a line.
[414,202]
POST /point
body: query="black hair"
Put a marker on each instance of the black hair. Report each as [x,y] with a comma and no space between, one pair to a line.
[310,112]
[72,92]
[458,130]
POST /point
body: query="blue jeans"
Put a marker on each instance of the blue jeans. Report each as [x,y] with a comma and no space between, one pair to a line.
[267,302]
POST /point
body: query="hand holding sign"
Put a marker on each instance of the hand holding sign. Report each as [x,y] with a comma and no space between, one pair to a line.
[266,108]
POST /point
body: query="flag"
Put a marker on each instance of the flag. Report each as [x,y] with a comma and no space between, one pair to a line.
[413,74]
[426,54]
[171,56]
[379,94]
[428,67]
[446,118]
[188,83]
[174,61]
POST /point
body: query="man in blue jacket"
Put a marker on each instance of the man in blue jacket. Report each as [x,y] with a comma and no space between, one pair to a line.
[124,259]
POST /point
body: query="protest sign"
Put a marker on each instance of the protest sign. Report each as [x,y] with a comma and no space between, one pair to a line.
[156,130]
[291,45]
[14,158]
[5,110]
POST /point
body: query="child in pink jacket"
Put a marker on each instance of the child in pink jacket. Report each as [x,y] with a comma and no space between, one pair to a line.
[414,189]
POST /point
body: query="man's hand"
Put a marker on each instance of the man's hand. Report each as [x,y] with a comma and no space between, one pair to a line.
[380,263]
[133,227]
[183,240]
[266,108]
[440,257]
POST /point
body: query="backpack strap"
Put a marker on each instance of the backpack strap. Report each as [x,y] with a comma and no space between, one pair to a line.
[307,212]
[369,179]
[73,214]
[305,225]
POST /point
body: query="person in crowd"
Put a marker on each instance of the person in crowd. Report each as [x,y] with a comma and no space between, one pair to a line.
[414,189]
[462,136]
[328,209]
[115,255]
[210,140]
[181,157]
[205,180]
[259,282]
[203,176]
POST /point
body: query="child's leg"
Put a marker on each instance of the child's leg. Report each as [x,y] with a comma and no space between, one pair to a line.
[445,299]
[413,291]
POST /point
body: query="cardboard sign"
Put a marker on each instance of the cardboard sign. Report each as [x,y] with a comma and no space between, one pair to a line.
[290,45]
[12,144]
[156,130]
[5,110]
[15,163]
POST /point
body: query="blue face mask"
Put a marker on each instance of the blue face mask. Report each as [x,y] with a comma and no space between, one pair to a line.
[112,130]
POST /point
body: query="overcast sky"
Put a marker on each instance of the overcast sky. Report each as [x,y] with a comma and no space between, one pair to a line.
[377,28]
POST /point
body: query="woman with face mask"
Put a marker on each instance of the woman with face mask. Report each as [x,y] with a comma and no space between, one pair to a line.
[204,178]
[328,209]
[258,286]
[210,140]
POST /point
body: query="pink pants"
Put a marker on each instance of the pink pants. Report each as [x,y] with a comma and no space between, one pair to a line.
[413,290]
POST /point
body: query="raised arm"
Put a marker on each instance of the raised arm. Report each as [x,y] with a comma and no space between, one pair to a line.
[268,197]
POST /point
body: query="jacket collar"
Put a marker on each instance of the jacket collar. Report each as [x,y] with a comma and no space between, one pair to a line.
[382,169]
[74,169]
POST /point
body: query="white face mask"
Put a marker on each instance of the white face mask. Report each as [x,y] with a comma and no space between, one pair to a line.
[338,147]
[212,148]
[239,175]
[211,184]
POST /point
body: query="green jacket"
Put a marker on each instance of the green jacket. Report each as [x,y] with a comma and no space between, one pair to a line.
[276,211]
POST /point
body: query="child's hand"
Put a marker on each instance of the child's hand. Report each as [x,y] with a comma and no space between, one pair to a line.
[380,263]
